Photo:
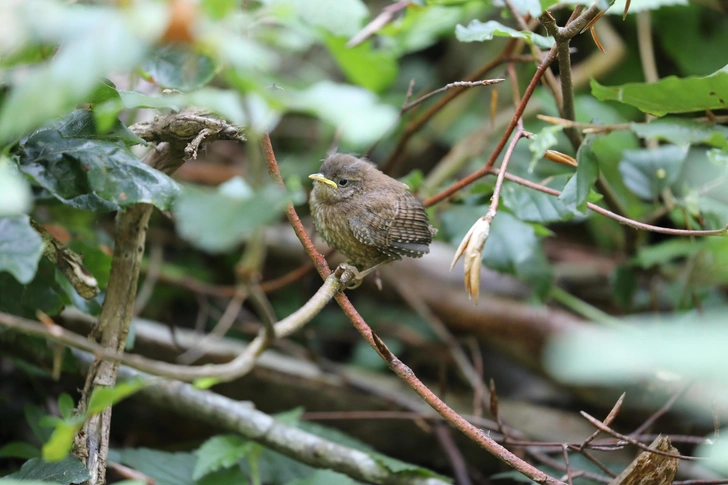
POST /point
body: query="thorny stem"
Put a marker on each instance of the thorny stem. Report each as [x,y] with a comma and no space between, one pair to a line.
[399,368]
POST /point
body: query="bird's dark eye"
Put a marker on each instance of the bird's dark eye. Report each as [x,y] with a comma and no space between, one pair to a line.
[343,182]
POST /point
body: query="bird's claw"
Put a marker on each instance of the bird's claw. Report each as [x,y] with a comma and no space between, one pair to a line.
[349,276]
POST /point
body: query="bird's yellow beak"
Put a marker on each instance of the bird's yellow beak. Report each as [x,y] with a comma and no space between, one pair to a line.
[320,178]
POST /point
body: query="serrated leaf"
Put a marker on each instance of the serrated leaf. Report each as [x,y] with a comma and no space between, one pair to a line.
[20,248]
[218,220]
[93,175]
[103,397]
[355,111]
[576,192]
[179,67]
[670,94]
[15,194]
[681,131]
[220,452]
[648,172]
[372,69]
[478,31]
[66,472]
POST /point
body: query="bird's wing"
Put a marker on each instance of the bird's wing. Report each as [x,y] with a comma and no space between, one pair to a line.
[398,228]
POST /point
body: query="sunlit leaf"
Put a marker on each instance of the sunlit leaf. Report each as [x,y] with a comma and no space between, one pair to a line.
[15,195]
[103,397]
[60,443]
[478,31]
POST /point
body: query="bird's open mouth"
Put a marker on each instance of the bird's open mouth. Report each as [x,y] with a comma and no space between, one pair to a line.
[320,178]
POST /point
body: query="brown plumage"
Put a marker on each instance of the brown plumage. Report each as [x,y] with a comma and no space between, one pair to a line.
[367,215]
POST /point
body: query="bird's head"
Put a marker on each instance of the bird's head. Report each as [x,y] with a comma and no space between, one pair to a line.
[341,177]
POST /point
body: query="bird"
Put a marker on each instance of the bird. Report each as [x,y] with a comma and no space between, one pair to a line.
[366,215]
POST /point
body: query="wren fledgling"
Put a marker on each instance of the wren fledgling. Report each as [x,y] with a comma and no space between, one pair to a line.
[368,216]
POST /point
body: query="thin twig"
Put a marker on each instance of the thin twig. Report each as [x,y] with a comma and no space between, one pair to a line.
[459,467]
[608,420]
[621,219]
[456,84]
[665,408]
[606,429]
[565,450]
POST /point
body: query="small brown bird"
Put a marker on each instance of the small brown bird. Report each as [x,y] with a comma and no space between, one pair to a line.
[368,216]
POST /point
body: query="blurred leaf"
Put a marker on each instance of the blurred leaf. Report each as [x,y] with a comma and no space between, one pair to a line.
[93,175]
[19,449]
[681,131]
[648,172]
[353,110]
[407,469]
[624,285]
[576,192]
[534,206]
[33,415]
[20,248]
[218,9]
[328,477]
[179,67]
[477,31]
[419,28]
[164,467]
[670,94]
[372,69]
[219,452]
[717,455]
[542,141]
[532,7]
[15,195]
[103,397]
[66,472]
[218,220]
[683,27]
[636,6]
[98,40]
[60,443]
[43,293]
[342,18]
[666,251]
[65,405]
[104,92]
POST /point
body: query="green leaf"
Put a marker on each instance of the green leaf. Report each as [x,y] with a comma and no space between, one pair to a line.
[407,469]
[510,243]
[328,477]
[636,6]
[43,293]
[20,248]
[670,94]
[664,252]
[534,206]
[179,67]
[372,69]
[19,449]
[681,131]
[93,175]
[477,31]
[104,397]
[341,18]
[15,195]
[353,110]
[218,9]
[576,192]
[61,441]
[542,141]
[95,42]
[218,220]
[66,405]
[164,467]
[648,172]
[66,472]
[82,124]
[220,452]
